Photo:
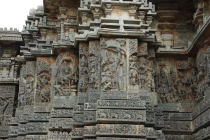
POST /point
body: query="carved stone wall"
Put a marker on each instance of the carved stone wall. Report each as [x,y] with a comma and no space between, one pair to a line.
[7,104]
[176,79]
[107,70]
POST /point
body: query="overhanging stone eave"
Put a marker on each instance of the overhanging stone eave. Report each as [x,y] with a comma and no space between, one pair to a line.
[10,81]
[122,3]
[197,38]
[202,31]
[101,32]
[121,33]
[63,46]
[28,57]
[11,41]
[20,59]
[10,37]
[46,27]
[171,51]
[68,4]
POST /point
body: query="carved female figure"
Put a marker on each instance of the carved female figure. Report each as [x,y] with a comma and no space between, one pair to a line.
[43,87]
[142,49]
[109,72]
[163,83]
[133,71]
[106,79]
[66,72]
[29,86]
[3,105]
[173,76]
[21,101]
[5,73]
[29,90]
[121,74]
[133,75]
[143,72]
[92,77]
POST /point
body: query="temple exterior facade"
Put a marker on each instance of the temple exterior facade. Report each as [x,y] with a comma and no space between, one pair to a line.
[107,70]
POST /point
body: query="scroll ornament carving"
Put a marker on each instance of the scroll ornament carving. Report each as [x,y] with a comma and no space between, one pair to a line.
[52,135]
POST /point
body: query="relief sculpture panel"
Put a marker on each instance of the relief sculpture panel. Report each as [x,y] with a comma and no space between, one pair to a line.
[107,70]
[176,80]
[141,68]
[43,84]
[113,65]
[83,67]
[6,108]
[94,65]
[30,82]
[66,75]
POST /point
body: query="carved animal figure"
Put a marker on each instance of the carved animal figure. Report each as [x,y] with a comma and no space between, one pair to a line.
[22,129]
[139,116]
[90,117]
[30,128]
[159,121]
[184,127]
[127,116]
[116,103]
[114,115]
[102,115]
[87,106]
[168,126]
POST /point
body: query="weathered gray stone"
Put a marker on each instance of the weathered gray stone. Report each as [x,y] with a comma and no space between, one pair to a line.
[114,70]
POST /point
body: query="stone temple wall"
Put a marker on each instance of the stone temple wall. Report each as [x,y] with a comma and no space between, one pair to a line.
[107,70]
